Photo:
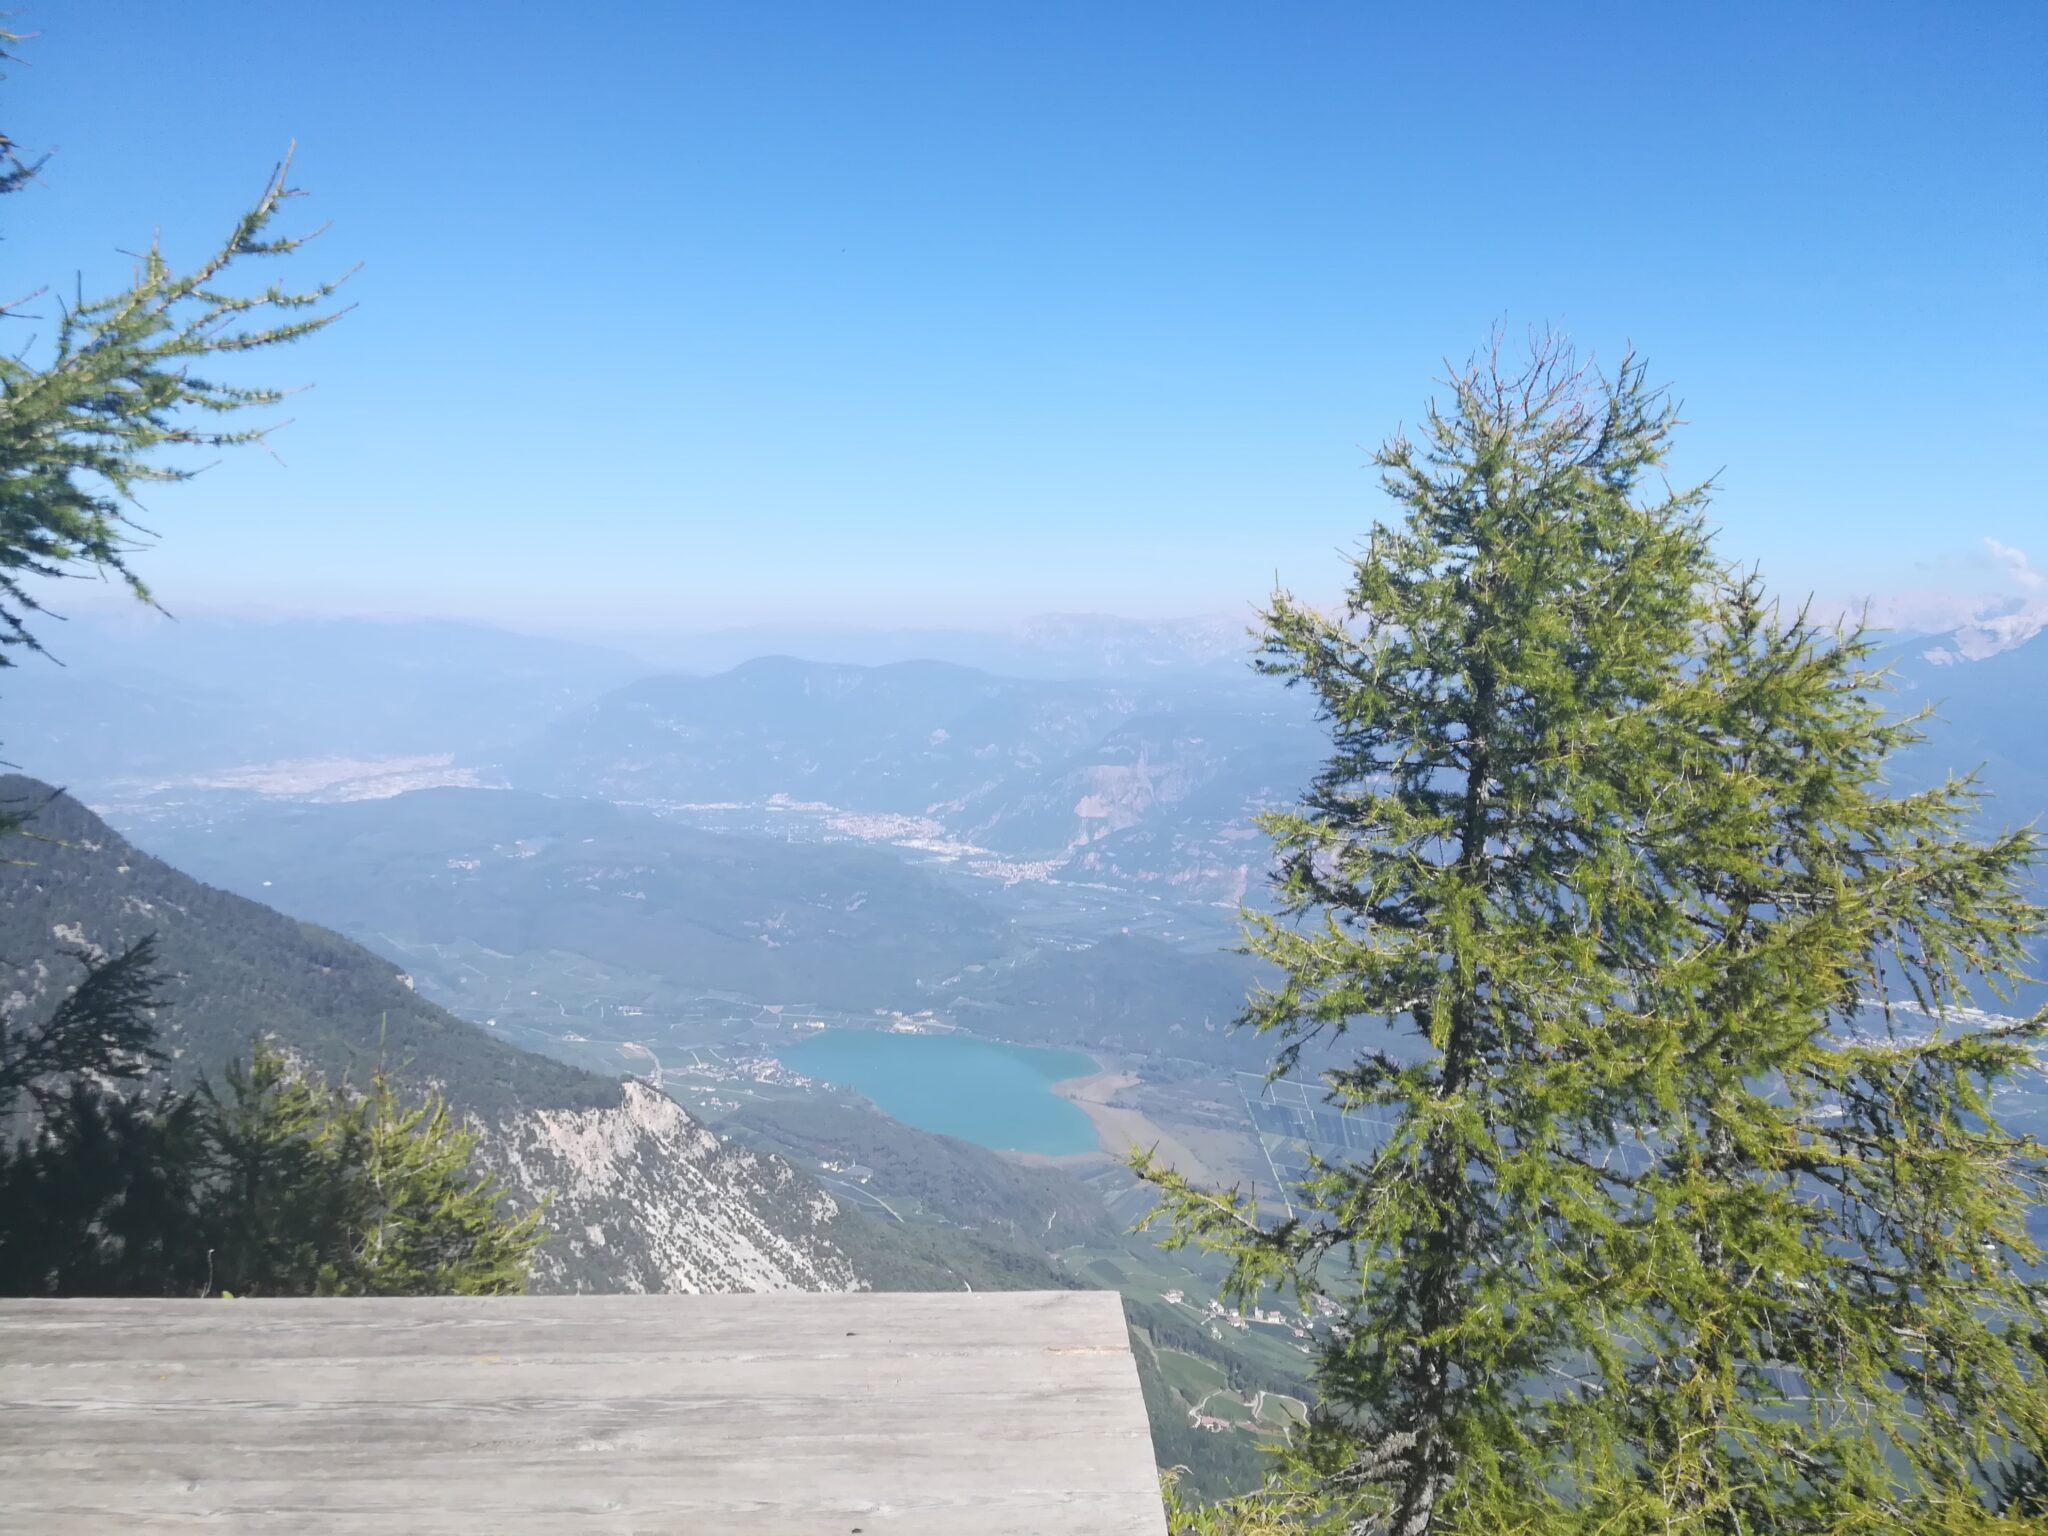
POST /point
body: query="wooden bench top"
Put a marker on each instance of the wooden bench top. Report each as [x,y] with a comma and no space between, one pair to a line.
[992,1414]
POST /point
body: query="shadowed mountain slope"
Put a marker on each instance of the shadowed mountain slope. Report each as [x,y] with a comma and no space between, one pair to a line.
[644,1198]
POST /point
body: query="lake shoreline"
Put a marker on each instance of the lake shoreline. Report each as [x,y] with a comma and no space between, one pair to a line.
[1120,1129]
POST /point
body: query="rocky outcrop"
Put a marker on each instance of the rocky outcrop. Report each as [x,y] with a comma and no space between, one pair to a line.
[643,1198]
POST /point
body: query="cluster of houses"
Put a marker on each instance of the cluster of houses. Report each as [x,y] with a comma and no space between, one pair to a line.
[1219,1316]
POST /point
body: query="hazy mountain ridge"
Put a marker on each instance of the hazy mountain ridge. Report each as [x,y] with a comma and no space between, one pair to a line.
[912,738]
[1163,794]
[129,694]
[1145,783]
[142,696]
[1135,784]
[1053,645]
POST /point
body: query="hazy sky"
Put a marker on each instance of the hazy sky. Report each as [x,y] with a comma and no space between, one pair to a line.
[702,314]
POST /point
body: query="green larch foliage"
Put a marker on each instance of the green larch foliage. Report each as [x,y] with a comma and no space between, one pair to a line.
[1676,1225]
[85,421]
[98,1192]
[274,1185]
[320,1191]
[98,1197]
[277,1208]
[99,396]
[426,1225]
[103,1026]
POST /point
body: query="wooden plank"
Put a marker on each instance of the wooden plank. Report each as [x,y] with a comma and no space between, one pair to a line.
[91,1329]
[894,1415]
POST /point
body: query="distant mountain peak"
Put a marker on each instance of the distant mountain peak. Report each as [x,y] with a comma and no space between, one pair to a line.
[1989,636]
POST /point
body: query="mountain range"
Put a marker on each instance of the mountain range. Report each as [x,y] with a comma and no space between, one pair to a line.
[1060,645]
[142,697]
[485,895]
[1141,785]
[1145,783]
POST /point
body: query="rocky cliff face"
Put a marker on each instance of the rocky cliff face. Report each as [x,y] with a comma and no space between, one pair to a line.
[643,1198]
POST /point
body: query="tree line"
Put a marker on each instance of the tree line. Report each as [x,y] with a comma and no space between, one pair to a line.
[274,1184]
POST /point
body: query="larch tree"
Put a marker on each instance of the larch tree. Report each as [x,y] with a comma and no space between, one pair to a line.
[1602,912]
[101,399]
[275,1184]
[319,1190]
[98,1187]
[87,422]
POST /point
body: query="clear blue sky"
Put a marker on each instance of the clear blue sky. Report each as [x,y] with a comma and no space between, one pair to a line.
[697,314]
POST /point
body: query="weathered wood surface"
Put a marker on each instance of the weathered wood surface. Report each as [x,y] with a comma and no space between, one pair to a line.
[895,1415]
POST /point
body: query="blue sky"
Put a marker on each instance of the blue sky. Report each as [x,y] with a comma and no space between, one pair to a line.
[694,315]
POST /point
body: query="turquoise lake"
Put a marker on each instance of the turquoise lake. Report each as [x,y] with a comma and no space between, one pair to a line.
[995,1095]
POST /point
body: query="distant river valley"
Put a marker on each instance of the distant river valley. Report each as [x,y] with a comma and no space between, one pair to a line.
[996,1095]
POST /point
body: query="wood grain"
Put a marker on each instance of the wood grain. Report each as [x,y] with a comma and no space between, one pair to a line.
[1006,1414]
